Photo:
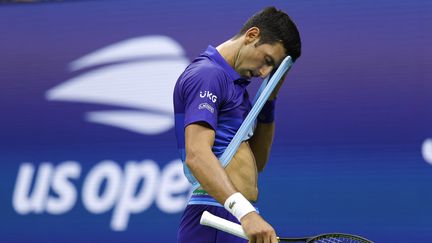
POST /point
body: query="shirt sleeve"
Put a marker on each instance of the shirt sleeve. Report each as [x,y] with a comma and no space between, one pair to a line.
[203,96]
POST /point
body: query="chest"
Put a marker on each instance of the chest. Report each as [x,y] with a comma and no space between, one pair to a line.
[236,107]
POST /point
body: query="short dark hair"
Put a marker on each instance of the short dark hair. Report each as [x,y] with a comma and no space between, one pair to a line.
[275,26]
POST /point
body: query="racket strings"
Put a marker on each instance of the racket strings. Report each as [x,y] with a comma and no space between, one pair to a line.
[337,240]
[328,240]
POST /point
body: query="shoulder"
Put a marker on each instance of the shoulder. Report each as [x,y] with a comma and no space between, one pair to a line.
[205,69]
[203,73]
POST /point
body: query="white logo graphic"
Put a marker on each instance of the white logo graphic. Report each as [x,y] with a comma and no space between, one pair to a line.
[141,75]
[138,74]
[209,95]
[203,106]
[427,150]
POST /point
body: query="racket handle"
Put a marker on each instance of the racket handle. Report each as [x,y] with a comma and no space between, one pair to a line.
[211,220]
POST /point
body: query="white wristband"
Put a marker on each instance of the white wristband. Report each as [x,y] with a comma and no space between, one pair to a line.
[238,205]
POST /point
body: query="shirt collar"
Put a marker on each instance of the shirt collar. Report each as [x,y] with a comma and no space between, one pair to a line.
[214,55]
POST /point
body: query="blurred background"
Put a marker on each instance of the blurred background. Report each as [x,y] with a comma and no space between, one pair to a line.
[87,145]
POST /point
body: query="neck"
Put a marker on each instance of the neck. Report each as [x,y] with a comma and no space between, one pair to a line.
[229,50]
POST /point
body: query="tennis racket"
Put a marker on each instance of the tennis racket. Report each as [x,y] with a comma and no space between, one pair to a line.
[211,220]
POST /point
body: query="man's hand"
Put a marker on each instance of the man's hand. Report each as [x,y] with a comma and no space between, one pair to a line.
[275,92]
[257,229]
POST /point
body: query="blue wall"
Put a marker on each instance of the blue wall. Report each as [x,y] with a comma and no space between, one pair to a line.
[352,151]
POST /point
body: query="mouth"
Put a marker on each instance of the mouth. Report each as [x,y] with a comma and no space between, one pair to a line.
[250,74]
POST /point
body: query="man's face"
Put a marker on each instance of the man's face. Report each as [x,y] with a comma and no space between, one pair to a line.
[259,60]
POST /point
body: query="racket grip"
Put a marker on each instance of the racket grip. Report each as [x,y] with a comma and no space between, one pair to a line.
[216,222]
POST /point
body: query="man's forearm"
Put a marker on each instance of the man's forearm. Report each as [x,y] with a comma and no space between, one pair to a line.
[211,175]
[261,143]
[262,139]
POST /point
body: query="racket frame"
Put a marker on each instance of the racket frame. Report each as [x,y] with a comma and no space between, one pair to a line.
[227,226]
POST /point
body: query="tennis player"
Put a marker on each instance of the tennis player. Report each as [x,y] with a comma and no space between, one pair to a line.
[210,103]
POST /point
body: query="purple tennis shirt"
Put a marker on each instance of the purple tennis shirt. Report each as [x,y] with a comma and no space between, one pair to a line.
[210,91]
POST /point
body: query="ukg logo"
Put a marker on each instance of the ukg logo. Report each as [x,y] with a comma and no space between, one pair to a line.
[138,76]
[209,95]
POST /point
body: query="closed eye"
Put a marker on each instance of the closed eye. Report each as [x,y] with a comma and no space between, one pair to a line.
[269,61]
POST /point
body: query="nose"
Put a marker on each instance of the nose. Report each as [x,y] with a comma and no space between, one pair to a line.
[265,71]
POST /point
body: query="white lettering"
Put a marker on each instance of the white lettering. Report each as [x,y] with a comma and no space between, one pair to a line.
[25,202]
[174,187]
[131,200]
[110,172]
[203,106]
[209,95]
[104,188]
[65,190]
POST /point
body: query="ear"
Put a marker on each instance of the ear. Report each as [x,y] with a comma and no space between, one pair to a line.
[252,35]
